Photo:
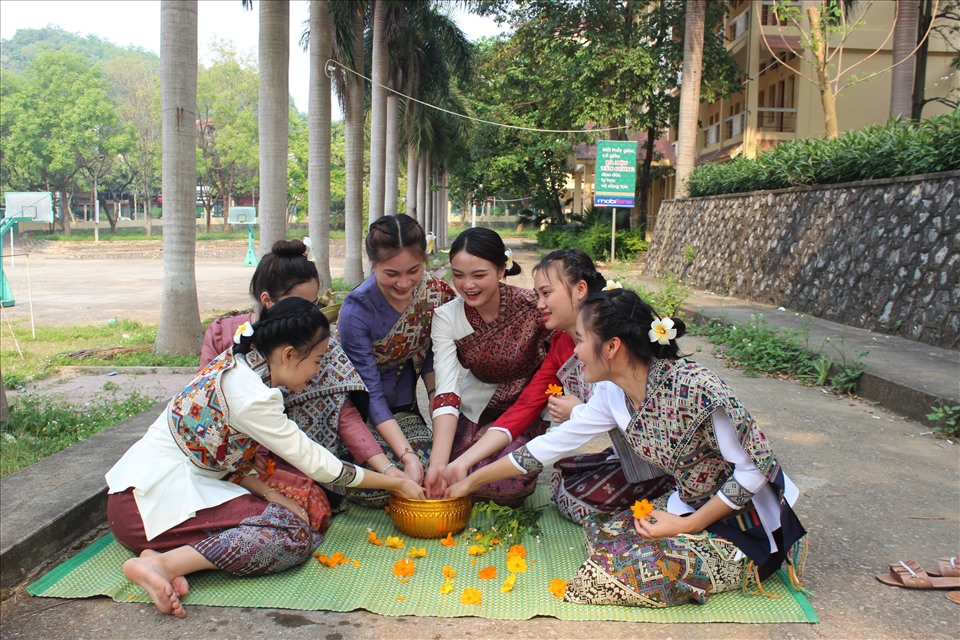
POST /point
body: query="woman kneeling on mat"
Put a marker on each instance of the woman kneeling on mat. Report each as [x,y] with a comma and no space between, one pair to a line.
[729,522]
[186,496]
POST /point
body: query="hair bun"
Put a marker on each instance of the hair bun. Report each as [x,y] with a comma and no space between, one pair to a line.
[679,325]
[289,248]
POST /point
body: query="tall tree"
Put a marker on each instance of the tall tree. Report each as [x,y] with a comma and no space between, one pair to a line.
[378,107]
[274,120]
[904,60]
[688,122]
[136,84]
[940,18]
[319,117]
[180,330]
[348,50]
[227,130]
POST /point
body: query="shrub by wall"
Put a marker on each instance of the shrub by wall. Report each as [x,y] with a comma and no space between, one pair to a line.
[882,254]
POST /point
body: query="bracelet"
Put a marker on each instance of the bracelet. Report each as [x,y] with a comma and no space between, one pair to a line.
[266,493]
[430,392]
[408,451]
[387,466]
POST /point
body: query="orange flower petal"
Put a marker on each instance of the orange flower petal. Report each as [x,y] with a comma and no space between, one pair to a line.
[517,550]
[448,572]
[554,390]
[642,508]
[403,568]
[487,573]
[558,587]
[449,541]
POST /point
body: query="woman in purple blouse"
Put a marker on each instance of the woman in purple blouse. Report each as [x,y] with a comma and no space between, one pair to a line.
[384,328]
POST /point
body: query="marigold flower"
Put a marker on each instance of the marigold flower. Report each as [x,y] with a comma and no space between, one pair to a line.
[373,539]
[517,550]
[516,564]
[554,390]
[558,587]
[471,596]
[449,541]
[641,509]
[393,542]
[487,573]
[330,561]
[662,331]
[271,466]
[476,550]
[507,585]
[446,587]
[448,572]
[418,553]
[403,568]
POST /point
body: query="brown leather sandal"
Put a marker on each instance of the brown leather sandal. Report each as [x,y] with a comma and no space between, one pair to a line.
[910,575]
[953,596]
[949,567]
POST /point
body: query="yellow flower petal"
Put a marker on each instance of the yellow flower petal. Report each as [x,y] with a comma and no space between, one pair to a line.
[516,564]
[471,596]
[393,542]
[446,587]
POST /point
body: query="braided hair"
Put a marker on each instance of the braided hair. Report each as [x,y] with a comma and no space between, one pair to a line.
[389,235]
[621,313]
[485,244]
[574,265]
[292,321]
[285,267]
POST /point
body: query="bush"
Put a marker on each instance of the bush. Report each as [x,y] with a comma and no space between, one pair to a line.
[890,150]
[594,240]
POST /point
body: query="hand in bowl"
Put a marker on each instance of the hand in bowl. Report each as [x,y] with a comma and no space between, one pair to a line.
[410,489]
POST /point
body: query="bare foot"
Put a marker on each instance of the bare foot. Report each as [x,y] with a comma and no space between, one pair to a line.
[148,573]
[180,585]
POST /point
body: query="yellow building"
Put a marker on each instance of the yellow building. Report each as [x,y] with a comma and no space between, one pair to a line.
[777,103]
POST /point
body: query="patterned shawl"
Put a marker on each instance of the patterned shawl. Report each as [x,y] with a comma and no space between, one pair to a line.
[316,408]
[409,338]
[509,350]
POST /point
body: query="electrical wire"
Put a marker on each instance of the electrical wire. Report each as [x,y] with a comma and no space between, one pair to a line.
[329,69]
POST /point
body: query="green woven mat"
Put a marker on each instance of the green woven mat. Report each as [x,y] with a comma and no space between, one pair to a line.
[372,585]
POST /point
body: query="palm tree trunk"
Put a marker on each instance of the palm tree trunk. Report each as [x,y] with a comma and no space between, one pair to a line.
[318,124]
[421,190]
[690,94]
[378,110]
[179,331]
[354,143]
[274,120]
[904,42]
[392,160]
[412,170]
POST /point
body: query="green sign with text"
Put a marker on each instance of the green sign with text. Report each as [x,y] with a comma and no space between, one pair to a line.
[616,174]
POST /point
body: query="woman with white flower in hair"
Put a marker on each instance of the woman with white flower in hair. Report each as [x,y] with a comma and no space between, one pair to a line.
[487,344]
[728,524]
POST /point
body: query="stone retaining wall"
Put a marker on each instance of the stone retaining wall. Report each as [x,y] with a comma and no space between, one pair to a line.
[882,254]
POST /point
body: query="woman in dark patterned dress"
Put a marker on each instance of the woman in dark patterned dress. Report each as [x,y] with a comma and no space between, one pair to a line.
[186,496]
[487,344]
[729,523]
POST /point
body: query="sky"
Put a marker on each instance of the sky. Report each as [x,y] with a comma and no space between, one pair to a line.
[137,22]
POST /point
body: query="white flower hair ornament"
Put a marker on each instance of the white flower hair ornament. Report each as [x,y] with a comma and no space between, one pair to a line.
[612,284]
[662,331]
[509,264]
[244,330]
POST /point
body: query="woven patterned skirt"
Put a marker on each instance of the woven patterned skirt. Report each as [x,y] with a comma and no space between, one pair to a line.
[624,568]
[591,483]
[245,536]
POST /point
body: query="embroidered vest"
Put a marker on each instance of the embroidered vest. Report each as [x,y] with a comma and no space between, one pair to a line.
[200,423]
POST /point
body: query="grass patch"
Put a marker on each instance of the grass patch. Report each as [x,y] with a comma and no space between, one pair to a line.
[136,234]
[38,428]
[759,348]
[78,346]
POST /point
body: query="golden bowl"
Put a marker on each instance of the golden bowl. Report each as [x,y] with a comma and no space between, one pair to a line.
[429,518]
